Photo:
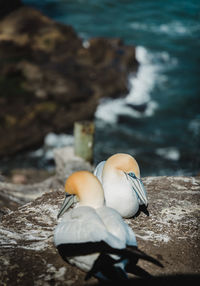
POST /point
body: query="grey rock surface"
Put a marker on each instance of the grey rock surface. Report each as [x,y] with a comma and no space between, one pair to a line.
[170,234]
[15,195]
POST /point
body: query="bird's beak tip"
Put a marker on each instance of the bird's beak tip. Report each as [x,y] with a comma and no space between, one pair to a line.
[69,200]
[143,208]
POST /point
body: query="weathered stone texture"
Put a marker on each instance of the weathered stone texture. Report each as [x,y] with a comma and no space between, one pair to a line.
[170,234]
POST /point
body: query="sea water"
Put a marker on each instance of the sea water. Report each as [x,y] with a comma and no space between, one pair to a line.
[165,136]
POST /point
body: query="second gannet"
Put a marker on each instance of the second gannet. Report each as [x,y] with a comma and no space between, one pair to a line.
[123,187]
[94,237]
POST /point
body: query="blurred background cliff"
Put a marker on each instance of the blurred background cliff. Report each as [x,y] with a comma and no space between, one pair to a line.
[131,66]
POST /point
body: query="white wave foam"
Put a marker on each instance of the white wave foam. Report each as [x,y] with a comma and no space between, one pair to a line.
[51,142]
[86,44]
[194,126]
[109,109]
[61,140]
[143,83]
[174,28]
[141,86]
[170,153]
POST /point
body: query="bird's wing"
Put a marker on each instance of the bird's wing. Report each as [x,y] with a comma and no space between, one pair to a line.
[99,169]
[83,225]
[83,231]
[116,225]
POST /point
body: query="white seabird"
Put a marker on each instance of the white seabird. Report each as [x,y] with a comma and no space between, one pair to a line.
[123,187]
[94,237]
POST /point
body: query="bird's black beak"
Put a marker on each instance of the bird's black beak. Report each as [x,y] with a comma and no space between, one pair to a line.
[69,200]
[138,187]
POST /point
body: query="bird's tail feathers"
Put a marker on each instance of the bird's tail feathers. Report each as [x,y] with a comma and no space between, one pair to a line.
[108,267]
[137,270]
[104,269]
[142,255]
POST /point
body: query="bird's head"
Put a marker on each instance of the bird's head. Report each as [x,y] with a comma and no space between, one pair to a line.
[126,164]
[82,187]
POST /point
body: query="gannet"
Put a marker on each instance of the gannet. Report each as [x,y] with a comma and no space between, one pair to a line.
[123,187]
[94,237]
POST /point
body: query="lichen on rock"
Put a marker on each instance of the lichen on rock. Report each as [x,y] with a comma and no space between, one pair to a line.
[170,233]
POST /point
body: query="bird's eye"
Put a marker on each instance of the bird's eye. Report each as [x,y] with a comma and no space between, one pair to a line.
[131,174]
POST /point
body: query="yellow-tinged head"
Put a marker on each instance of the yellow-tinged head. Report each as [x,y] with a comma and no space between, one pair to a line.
[86,187]
[123,162]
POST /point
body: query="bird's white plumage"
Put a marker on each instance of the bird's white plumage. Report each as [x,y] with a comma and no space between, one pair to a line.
[121,191]
[116,225]
[83,224]
[99,170]
[93,236]
[119,194]
[86,224]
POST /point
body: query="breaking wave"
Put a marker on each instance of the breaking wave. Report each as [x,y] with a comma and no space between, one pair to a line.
[138,102]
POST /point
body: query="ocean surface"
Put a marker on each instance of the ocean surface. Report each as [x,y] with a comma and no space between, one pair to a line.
[165,138]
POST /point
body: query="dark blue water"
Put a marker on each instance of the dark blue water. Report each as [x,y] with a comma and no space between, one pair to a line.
[165,139]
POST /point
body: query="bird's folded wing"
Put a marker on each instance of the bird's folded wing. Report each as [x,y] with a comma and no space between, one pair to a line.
[83,225]
[116,225]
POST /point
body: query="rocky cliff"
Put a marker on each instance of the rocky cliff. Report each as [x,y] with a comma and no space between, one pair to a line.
[49,77]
